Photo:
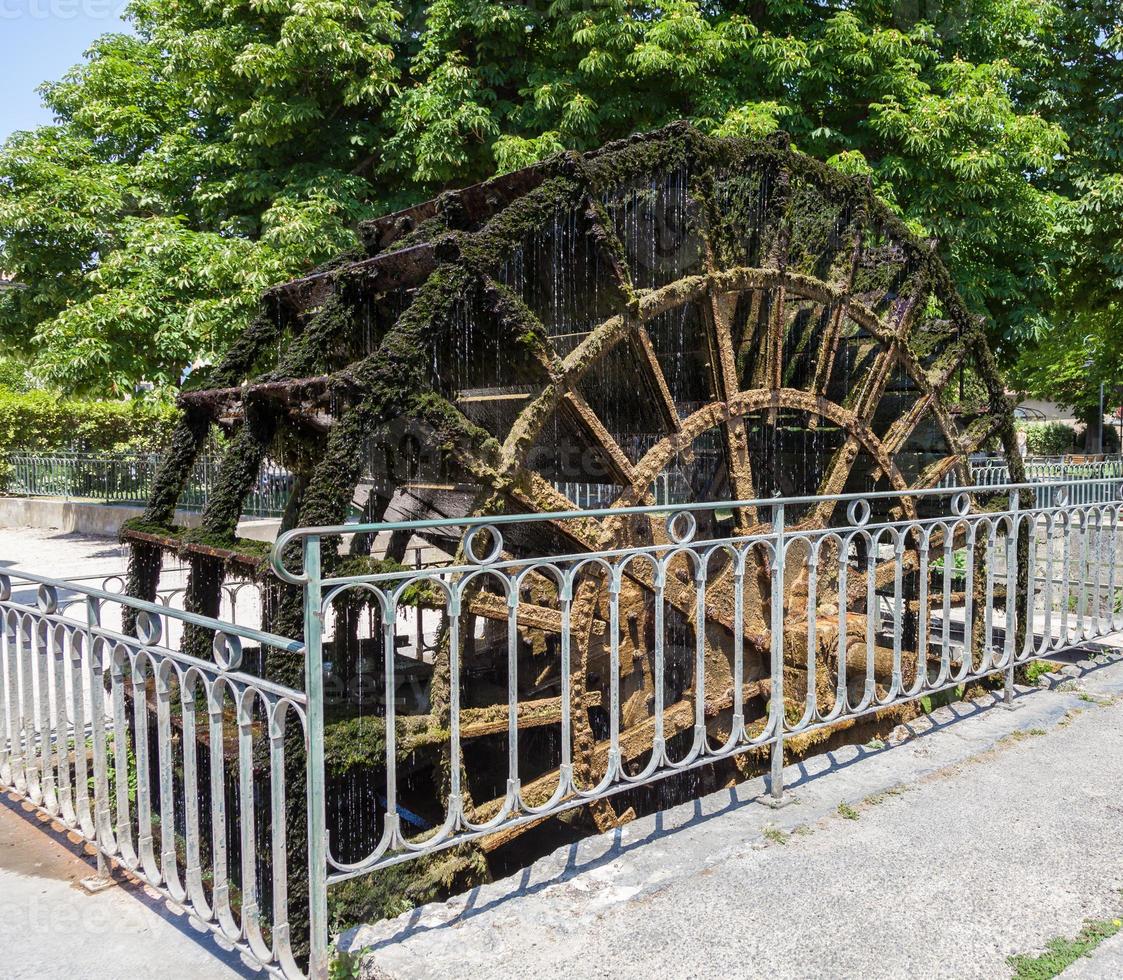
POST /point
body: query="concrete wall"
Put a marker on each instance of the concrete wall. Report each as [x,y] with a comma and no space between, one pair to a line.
[103,520]
[1052,411]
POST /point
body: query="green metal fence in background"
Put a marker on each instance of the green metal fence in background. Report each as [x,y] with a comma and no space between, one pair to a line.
[127,479]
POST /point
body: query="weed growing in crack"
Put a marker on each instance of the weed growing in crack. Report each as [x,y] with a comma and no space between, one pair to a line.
[1061,953]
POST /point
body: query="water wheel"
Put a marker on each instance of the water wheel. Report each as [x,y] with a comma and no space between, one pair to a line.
[668,320]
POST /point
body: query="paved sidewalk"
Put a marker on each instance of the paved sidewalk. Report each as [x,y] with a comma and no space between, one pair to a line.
[984,834]
[1105,962]
[60,554]
[53,929]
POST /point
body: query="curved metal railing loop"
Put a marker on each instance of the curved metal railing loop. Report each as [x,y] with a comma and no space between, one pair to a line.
[851,605]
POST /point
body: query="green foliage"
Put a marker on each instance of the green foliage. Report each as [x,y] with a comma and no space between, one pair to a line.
[111,770]
[775,835]
[1036,669]
[1061,953]
[41,421]
[392,891]
[14,375]
[229,145]
[1049,438]
[214,153]
[345,964]
[940,699]
[1077,79]
[958,562]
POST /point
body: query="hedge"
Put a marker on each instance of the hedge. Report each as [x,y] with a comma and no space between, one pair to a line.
[44,422]
[1049,438]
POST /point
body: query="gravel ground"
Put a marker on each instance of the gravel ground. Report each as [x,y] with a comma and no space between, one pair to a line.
[983,834]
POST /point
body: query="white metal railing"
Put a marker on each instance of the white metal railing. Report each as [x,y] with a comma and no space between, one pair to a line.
[175,764]
[153,755]
[1083,478]
[903,623]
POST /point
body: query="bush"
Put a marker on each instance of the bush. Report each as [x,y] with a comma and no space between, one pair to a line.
[43,422]
[1111,438]
[14,375]
[1049,438]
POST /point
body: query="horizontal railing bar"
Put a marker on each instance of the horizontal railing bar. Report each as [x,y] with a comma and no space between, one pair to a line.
[702,544]
[500,519]
[166,653]
[142,605]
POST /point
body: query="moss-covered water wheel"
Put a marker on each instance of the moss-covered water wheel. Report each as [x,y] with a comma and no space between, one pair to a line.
[669,319]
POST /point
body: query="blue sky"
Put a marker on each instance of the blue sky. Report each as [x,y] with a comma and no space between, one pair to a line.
[39,41]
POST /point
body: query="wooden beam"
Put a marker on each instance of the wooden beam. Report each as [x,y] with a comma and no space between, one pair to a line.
[653,373]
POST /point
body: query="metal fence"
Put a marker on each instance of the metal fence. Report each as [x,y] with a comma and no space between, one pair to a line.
[101,730]
[1083,479]
[127,479]
[108,731]
[1073,596]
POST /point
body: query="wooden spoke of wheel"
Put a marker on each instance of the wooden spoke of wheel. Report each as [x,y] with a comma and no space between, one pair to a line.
[505,476]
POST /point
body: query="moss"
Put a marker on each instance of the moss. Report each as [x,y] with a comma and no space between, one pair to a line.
[309,353]
[360,742]
[247,351]
[424,231]
[392,891]
[519,324]
[240,466]
[144,526]
[177,538]
[417,593]
[171,477]
[339,261]
[175,467]
[203,596]
[670,148]
[243,547]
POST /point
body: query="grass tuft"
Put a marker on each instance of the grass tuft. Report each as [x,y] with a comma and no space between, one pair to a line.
[875,798]
[1061,953]
[775,835]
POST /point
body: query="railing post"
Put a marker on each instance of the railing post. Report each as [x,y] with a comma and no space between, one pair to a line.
[317,810]
[776,797]
[1012,598]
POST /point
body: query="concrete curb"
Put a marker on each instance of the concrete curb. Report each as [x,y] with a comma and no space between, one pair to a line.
[103,520]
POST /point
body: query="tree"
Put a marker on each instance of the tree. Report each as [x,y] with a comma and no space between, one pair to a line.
[233,144]
[1080,83]
[190,167]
